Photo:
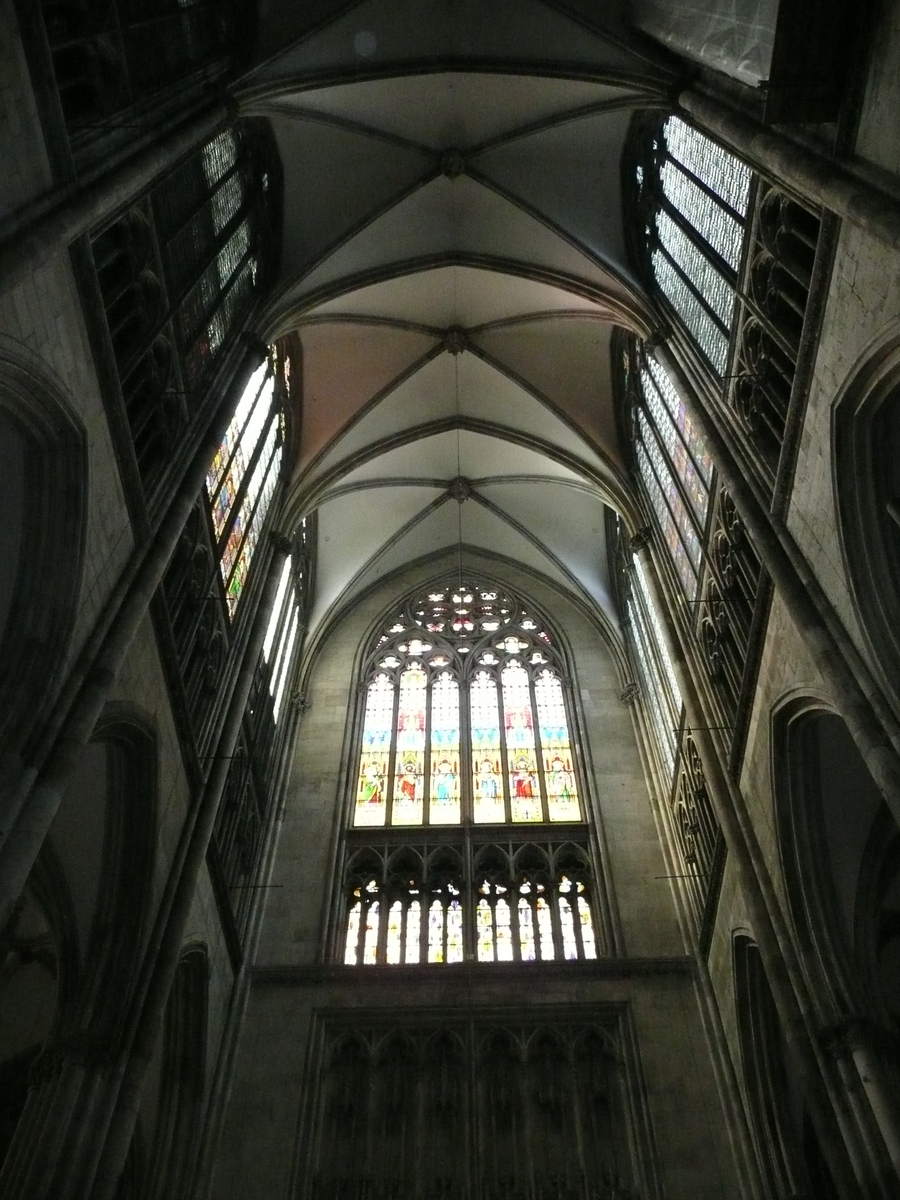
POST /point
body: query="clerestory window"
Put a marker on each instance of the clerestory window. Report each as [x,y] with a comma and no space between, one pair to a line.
[694,196]
[243,475]
[466,738]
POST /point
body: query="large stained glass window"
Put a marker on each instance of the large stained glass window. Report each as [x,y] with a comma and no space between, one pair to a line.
[674,466]
[466,725]
[242,478]
[695,199]
[465,656]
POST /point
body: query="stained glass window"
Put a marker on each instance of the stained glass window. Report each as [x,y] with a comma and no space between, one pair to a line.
[674,466]
[242,479]
[466,726]
[371,792]
[472,646]
[697,198]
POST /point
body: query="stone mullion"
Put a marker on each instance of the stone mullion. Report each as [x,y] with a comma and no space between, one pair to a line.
[795,1005]
[392,756]
[504,758]
[538,751]
[426,757]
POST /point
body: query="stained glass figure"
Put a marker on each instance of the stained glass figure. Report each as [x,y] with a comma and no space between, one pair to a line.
[436,932]
[370,946]
[413,931]
[371,790]
[588,942]
[487,779]
[454,932]
[409,767]
[503,931]
[524,786]
[562,792]
[443,807]
[351,948]
[394,931]
[484,930]
[545,929]
[567,921]
[527,951]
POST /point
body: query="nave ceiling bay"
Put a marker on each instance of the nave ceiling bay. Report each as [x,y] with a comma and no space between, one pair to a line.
[454,266]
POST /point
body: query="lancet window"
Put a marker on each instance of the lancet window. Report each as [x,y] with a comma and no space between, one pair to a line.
[694,196]
[243,475]
[674,465]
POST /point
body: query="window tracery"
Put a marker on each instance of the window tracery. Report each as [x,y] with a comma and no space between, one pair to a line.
[465,725]
[465,717]
[484,902]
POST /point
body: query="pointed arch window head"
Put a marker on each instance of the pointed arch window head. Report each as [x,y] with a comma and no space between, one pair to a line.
[243,476]
[465,717]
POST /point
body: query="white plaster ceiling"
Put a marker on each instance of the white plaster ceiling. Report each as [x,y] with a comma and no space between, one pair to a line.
[454,266]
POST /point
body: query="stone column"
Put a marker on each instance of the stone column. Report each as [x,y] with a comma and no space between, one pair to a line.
[31,238]
[128,606]
[813,176]
[161,960]
[865,1054]
[855,1174]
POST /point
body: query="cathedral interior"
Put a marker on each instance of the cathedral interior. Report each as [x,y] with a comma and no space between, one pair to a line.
[450,608]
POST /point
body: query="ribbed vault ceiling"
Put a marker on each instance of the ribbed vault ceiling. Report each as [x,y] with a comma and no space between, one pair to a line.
[454,265]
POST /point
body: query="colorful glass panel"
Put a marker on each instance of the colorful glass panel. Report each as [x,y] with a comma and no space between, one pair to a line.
[249,521]
[370,947]
[352,947]
[527,951]
[229,463]
[682,419]
[682,462]
[562,792]
[443,806]
[484,931]
[394,932]
[567,921]
[588,941]
[409,764]
[503,931]
[545,929]
[454,932]
[524,785]
[487,778]
[436,932]
[413,931]
[371,788]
